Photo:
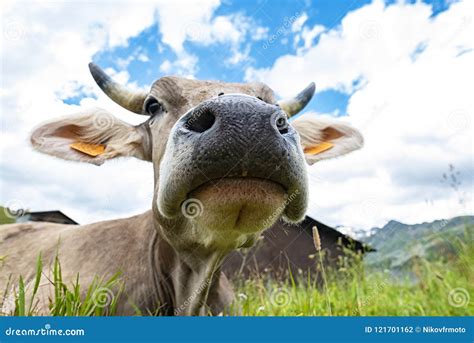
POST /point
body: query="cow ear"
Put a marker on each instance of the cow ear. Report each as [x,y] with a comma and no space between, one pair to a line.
[323,138]
[92,137]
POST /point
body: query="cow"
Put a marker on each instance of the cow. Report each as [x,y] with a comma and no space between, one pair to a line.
[227,165]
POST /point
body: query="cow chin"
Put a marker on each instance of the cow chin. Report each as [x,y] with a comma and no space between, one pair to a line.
[229,212]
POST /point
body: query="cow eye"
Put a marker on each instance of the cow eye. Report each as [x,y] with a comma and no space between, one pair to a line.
[152,106]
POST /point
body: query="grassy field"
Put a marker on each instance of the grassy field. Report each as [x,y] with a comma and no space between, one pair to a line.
[441,287]
[442,290]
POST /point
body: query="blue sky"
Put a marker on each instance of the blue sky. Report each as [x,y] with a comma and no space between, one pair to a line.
[274,15]
[399,71]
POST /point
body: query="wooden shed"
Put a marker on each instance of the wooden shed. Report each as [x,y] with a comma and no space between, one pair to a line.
[284,248]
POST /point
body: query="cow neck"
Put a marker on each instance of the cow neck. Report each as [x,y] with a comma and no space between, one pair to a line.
[183,277]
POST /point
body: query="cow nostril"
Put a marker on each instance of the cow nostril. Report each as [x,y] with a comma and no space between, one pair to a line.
[282,125]
[201,121]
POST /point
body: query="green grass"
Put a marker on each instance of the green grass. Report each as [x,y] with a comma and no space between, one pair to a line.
[5,218]
[100,298]
[438,287]
[372,295]
[441,287]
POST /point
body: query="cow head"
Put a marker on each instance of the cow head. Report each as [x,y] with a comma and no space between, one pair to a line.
[227,162]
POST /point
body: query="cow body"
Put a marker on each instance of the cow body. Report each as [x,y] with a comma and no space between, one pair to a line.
[227,165]
[148,266]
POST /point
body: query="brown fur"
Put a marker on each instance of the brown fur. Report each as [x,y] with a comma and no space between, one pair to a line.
[163,263]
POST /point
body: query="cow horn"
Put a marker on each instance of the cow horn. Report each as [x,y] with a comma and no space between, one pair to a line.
[293,105]
[132,101]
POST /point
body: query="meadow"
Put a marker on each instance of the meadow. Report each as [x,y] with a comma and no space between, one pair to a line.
[436,287]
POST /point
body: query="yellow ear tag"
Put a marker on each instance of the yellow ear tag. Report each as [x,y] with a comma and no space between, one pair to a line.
[317,149]
[88,149]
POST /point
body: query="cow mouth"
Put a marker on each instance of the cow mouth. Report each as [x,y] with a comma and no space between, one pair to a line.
[262,200]
[240,204]
[226,181]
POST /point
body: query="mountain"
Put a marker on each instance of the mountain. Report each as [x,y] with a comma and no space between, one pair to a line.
[398,245]
[356,233]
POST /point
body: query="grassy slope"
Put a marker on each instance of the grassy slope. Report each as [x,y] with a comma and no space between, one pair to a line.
[399,244]
[439,286]
[424,269]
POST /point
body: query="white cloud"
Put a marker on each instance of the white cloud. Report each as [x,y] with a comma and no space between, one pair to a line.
[137,55]
[166,66]
[308,35]
[372,34]
[196,24]
[194,18]
[185,65]
[143,58]
[239,55]
[45,52]
[299,22]
[259,33]
[415,113]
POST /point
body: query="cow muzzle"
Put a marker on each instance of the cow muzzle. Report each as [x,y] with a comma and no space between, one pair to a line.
[238,161]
